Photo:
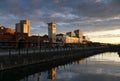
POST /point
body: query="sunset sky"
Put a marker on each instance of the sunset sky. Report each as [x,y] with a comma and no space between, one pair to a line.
[98,19]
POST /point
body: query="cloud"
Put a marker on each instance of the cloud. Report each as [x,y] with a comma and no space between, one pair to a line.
[89,15]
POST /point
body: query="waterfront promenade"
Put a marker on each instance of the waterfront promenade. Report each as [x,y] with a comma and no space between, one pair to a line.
[31,51]
[11,58]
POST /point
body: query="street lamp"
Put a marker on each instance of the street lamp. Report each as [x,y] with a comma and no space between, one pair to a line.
[39,45]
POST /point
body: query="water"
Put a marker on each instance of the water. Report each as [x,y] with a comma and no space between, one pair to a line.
[103,67]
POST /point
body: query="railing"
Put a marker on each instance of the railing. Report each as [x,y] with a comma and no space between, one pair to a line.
[12,58]
[21,47]
[37,50]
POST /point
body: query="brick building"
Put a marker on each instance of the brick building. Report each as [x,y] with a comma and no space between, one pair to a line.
[9,38]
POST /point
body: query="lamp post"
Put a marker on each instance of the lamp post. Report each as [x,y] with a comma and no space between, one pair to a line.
[9,48]
[39,45]
[27,47]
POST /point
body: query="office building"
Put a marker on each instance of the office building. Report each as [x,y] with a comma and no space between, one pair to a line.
[71,34]
[52,31]
[23,27]
[78,33]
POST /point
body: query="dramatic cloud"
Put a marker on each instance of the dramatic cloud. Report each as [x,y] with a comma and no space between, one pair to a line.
[87,15]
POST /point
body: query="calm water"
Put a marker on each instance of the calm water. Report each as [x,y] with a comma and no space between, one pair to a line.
[103,67]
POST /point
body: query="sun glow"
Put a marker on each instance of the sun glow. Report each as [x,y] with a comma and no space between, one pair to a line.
[111,36]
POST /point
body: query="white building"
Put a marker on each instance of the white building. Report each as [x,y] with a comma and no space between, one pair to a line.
[78,33]
[68,39]
[23,27]
[52,31]
[71,34]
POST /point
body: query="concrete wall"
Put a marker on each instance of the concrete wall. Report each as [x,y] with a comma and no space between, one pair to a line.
[22,60]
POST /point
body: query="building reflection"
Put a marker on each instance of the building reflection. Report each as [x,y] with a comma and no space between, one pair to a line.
[52,73]
[80,61]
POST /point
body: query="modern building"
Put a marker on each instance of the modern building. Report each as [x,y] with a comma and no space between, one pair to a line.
[71,34]
[72,37]
[68,39]
[23,27]
[78,33]
[52,31]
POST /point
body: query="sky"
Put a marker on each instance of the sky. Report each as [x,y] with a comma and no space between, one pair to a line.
[90,16]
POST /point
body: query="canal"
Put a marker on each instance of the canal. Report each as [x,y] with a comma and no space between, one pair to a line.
[102,67]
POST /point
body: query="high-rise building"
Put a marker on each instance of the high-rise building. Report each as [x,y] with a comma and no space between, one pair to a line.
[52,31]
[23,27]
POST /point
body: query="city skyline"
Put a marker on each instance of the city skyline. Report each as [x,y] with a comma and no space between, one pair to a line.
[90,16]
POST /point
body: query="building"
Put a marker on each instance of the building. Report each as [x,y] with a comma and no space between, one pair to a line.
[5,31]
[23,27]
[6,34]
[78,33]
[71,37]
[71,34]
[52,31]
[9,38]
[21,37]
[60,38]
[68,39]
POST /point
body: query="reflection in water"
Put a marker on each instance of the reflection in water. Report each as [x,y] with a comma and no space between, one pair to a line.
[102,67]
[80,61]
[52,73]
[106,57]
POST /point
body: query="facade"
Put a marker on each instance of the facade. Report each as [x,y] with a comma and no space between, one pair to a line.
[71,34]
[9,38]
[21,37]
[78,33]
[4,30]
[23,27]
[71,37]
[6,34]
[59,38]
[52,31]
[67,39]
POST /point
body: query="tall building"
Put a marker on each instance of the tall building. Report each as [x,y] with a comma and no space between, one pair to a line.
[23,27]
[52,31]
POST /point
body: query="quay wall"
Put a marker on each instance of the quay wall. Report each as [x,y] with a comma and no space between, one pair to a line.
[13,61]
